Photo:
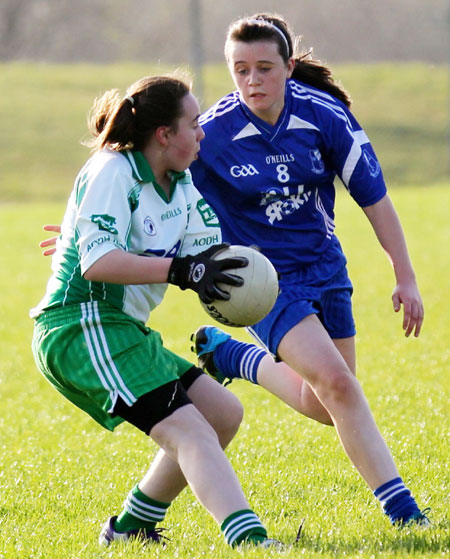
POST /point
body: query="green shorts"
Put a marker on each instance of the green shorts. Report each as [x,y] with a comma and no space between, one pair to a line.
[94,354]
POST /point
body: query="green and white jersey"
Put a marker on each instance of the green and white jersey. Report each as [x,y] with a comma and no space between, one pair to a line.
[116,203]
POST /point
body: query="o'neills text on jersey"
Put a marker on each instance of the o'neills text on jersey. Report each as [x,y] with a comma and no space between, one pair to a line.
[171,213]
[282,158]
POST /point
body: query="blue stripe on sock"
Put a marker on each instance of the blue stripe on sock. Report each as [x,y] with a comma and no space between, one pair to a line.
[250,362]
[389,489]
[387,485]
[236,359]
[397,501]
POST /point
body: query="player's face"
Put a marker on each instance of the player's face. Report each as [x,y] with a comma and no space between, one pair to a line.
[184,142]
[260,74]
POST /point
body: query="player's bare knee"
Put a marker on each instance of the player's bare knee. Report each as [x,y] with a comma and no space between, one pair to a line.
[183,428]
[221,408]
[338,385]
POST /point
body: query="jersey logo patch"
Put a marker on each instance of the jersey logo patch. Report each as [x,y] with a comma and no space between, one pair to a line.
[317,164]
[238,171]
[281,203]
[149,226]
[372,163]
[207,214]
[105,222]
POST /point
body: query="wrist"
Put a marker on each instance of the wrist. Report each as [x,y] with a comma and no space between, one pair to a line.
[405,276]
[174,275]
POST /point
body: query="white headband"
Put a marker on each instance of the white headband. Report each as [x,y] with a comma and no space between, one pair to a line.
[130,99]
[272,26]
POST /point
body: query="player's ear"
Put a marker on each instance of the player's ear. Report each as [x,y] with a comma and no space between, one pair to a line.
[290,66]
[162,134]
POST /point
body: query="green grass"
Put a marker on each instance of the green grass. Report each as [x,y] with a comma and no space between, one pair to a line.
[405,110]
[61,475]
[43,108]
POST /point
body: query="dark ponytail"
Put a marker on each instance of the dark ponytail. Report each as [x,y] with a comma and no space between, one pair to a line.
[313,72]
[272,27]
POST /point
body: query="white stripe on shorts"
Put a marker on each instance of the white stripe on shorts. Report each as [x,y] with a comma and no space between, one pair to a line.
[100,355]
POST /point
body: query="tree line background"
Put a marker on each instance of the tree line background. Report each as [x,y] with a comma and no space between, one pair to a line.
[57,55]
[161,30]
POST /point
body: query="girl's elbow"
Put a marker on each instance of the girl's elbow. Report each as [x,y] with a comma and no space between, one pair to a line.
[88,275]
[93,274]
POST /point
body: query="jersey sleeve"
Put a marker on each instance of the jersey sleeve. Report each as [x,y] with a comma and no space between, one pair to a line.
[202,230]
[103,211]
[353,157]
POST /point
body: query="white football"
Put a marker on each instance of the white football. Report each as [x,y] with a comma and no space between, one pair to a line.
[252,301]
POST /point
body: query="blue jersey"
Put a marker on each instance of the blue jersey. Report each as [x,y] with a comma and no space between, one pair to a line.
[273,186]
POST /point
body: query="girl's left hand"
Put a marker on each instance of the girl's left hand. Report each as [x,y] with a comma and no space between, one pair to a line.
[407,294]
[50,242]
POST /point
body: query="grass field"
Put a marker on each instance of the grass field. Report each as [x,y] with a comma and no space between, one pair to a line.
[61,475]
[403,107]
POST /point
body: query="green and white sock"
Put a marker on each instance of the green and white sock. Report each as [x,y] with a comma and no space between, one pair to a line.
[140,512]
[243,526]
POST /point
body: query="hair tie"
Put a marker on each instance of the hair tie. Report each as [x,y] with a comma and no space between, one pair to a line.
[130,99]
[272,26]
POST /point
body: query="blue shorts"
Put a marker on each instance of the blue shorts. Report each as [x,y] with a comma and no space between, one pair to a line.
[322,288]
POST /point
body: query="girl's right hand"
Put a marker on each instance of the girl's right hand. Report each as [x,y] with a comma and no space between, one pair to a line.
[50,242]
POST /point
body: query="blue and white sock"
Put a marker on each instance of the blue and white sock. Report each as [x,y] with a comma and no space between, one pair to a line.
[397,501]
[236,359]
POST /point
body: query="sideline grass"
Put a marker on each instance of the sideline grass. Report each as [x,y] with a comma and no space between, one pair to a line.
[61,475]
[43,110]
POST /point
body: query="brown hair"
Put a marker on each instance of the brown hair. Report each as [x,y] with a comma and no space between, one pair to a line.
[128,122]
[272,27]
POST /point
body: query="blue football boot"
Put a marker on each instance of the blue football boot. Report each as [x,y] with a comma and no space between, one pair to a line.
[206,339]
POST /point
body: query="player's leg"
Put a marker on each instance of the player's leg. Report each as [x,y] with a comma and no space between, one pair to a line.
[225,359]
[192,443]
[332,305]
[346,347]
[329,384]
[276,377]
[309,353]
[308,349]
[223,411]
[220,407]
[169,416]
[286,384]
